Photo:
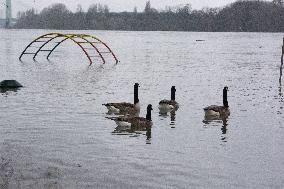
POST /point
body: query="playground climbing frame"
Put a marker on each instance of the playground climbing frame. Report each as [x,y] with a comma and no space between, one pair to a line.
[89,44]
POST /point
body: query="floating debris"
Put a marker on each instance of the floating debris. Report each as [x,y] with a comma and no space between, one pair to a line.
[10,84]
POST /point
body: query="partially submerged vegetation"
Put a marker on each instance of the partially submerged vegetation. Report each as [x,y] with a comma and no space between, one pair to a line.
[241,16]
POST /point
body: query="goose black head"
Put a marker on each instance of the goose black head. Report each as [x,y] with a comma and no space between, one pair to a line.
[136,85]
[149,109]
[173,93]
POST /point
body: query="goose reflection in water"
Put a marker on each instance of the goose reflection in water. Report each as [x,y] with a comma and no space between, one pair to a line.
[172,115]
[217,119]
[281,97]
[134,131]
[280,84]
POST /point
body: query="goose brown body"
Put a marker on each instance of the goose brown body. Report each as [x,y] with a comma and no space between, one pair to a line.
[135,121]
[125,107]
[169,105]
[222,111]
[169,102]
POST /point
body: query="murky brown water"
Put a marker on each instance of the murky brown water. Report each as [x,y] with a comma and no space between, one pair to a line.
[54,134]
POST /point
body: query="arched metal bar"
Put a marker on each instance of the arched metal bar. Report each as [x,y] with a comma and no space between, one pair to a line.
[100,54]
[81,36]
[68,36]
[105,46]
[72,37]
[56,46]
[35,40]
[39,49]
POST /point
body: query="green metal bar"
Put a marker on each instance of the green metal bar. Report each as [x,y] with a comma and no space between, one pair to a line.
[71,36]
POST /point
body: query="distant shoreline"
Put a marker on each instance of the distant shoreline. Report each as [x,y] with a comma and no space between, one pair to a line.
[241,16]
[137,30]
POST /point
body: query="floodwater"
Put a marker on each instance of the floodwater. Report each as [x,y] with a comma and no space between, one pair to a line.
[54,134]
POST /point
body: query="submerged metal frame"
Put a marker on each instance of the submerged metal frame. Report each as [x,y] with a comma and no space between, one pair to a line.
[73,37]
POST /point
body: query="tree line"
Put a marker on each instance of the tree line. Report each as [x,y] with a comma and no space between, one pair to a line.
[241,16]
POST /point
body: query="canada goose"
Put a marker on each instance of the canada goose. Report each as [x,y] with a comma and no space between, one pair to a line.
[222,111]
[169,105]
[124,107]
[136,123]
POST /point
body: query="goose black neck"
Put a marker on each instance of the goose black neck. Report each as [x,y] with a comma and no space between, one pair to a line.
[173,93]
[225,98]
[136,99]
[148,115]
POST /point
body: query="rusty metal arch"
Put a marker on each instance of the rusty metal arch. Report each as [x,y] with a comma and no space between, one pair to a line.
[51,36]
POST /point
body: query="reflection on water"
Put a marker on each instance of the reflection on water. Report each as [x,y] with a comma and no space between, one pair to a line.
[219,120]
[280,78]
[280,89]
[280,93]
[224,129]
[7,91]
[133,131]
[280,85]
[111,113]
[173,119]
[172,115]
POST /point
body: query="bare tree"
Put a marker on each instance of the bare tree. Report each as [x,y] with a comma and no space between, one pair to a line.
[278,2]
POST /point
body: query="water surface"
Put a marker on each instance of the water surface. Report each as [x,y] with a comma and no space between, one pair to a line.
[54,134]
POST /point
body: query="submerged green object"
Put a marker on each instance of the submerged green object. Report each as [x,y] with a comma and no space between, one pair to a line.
[10,84]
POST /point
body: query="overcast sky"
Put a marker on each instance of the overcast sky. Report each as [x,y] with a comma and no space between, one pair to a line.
[114,5]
